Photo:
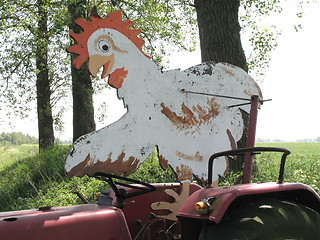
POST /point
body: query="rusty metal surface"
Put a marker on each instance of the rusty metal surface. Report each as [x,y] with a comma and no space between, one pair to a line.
[137,208]
[247,167]
[162,112]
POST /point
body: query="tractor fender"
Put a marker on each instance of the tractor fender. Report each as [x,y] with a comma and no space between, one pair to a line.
[87,221]
[221,198]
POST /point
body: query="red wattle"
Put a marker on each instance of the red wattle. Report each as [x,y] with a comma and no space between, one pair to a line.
[116,78]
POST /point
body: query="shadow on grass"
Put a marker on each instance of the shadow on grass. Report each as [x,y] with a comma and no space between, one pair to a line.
[22,177]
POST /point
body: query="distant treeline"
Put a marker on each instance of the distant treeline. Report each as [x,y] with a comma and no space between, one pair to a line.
[280,140]
[17,138]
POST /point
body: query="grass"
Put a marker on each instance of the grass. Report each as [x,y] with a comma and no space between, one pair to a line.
[38,180]
[302,165]
[11,154]
[29,180]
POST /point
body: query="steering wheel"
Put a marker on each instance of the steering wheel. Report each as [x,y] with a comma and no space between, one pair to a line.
[121,193]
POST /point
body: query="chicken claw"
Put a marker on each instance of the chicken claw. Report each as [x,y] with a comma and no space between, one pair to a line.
[176,205]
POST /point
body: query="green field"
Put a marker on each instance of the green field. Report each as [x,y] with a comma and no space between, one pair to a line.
[295,147]
[10,154]
[302,165]
[30,180]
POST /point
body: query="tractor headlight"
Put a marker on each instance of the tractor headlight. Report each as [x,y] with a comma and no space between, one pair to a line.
[97,195]
[203,207]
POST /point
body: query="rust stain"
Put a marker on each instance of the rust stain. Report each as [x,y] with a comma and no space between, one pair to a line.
[228,71]
[259,90]
[201,181]
[205,116]
[163,162]
[231,139]
[118,167]
[204,182]
[184,173]
[249,93]
[189,119]
[197,157]
[233,146]
[228,64]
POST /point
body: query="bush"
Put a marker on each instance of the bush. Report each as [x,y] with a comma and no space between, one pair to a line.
[151,172]
[16,138]
[39,180]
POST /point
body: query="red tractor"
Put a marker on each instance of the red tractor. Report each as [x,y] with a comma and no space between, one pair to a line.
[191,117]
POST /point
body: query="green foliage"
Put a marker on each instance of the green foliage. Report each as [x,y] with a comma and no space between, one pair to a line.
[10,154]
[17,138]
[29,180]
[302,165]
[38,180]
[165,25]
[162,22]
[263,37]
[151,172]
[19,39]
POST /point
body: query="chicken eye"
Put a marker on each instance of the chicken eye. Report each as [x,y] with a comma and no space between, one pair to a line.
[104,45]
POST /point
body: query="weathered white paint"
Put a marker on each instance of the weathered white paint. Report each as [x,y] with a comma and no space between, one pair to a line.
[148,94]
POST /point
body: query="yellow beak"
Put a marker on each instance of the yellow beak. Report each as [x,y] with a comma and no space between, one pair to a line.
[97,61]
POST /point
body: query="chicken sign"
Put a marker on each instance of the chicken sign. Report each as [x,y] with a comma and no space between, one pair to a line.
[178,112]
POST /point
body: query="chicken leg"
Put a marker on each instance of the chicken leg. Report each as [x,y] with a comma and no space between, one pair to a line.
[176,205]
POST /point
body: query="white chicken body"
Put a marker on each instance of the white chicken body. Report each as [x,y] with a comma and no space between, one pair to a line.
[167,110]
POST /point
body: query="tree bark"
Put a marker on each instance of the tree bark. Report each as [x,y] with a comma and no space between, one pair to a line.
[219,32]
[220,41]
[82,90]
[45,119]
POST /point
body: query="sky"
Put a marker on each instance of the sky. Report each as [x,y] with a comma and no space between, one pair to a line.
[292,82]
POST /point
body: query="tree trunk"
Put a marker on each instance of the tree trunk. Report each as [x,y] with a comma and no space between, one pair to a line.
[220,41]
[45,120]
[219,32]
[82,91]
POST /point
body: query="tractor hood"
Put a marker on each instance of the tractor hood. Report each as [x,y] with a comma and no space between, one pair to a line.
[89,221]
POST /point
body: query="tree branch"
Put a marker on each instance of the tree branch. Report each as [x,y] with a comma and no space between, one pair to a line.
[10,75]
[188,3]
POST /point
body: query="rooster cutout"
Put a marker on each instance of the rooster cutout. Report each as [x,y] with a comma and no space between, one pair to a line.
[163,110]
